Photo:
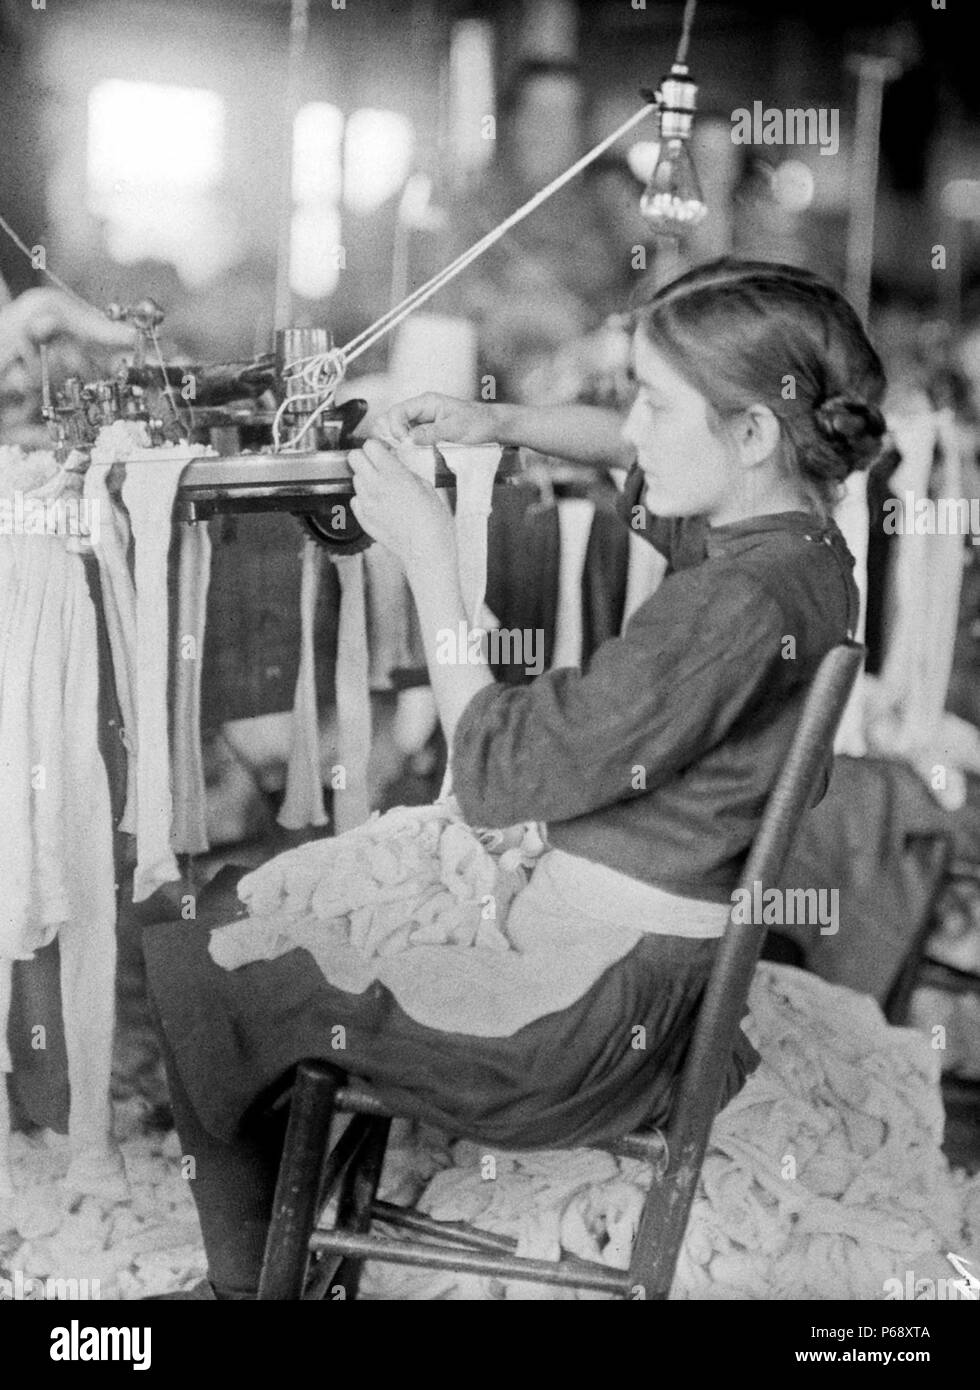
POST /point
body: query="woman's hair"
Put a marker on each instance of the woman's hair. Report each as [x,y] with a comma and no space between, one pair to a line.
[757,332]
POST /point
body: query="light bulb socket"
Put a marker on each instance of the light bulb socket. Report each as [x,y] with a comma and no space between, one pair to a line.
[678,97]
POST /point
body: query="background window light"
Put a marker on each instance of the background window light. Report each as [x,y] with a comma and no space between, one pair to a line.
[155,158]
[145,134]
[317,135]
[472,93]
[378,152]
[315,251]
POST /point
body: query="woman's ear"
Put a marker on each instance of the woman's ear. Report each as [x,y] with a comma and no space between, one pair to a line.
[756,435]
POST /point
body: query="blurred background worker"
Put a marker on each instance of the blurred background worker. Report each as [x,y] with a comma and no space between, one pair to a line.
[560,273]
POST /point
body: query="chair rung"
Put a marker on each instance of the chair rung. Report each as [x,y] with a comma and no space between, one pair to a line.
[322,1280]
[346,1149]
[651,1148]
[456,1232]
[419,1254]
[358,1101]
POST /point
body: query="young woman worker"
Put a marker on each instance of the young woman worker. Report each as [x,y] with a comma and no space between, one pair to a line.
[757,394]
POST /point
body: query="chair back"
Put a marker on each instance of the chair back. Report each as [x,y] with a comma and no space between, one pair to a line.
[702,1078]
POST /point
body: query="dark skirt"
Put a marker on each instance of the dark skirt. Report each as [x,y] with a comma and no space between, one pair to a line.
[592,1072]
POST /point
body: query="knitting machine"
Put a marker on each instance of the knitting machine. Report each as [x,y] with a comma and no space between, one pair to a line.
[269,443]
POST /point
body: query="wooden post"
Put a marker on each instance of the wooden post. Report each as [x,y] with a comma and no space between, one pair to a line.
[872,74]
[298,31]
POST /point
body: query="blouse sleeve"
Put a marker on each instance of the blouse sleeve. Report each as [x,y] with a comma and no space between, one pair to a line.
[691,663]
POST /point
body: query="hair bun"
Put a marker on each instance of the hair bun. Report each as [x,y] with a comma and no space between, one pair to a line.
[853,427]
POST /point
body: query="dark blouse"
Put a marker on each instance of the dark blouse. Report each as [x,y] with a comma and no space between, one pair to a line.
[656,759]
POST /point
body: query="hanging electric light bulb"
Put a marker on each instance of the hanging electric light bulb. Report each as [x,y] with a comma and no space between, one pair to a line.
[672,200]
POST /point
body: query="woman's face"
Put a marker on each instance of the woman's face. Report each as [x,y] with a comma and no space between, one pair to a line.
[689,470]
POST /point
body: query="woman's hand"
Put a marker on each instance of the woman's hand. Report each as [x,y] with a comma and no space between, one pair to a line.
[49,313]
[579,433]
[406,515]
[432,418]
[410,518]
[41,315]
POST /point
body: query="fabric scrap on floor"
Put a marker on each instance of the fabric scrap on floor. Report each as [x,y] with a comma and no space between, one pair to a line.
[824,1177]
[148,1243]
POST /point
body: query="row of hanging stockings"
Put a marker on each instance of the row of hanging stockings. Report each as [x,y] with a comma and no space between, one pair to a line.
[553,560]
[905,712]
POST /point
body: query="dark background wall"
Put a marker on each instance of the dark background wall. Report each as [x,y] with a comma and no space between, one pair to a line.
[393,55]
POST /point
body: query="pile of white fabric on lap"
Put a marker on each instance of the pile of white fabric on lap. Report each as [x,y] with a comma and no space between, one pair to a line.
[415,876]
[824,1177]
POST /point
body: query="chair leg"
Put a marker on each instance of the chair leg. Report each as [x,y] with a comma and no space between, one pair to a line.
[294,1209]
[663,1227]
[357,1194]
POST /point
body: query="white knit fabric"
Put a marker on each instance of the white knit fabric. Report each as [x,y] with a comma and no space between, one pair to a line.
[190,835]
[303,804]
[148,491]
[575,515]
[352,681]
[56,854]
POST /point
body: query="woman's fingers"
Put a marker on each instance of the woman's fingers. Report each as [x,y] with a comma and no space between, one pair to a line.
[423,435]
[15,347]
[372,462]
[433,418]
[379,477]
[375,452]
[88,325]
[47,313]
[381,458]
[366,459]
[366,480]
[396,424]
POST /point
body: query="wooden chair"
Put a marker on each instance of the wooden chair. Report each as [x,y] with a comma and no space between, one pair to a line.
[309,1175]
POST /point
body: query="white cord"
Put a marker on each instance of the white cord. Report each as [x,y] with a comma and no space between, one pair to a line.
[55,279]
[366,339]
[321,375]
[686,23]
[324,372]
[168,389]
